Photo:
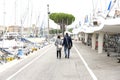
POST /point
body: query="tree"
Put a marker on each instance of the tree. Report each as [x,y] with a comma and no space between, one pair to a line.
[55,31]
[70,30]
[62,19]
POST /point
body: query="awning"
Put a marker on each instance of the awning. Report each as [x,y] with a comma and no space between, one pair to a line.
[111,25]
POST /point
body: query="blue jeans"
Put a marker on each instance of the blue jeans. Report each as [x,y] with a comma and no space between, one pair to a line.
[67,52]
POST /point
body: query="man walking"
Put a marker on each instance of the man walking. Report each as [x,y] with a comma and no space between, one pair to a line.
[67,43]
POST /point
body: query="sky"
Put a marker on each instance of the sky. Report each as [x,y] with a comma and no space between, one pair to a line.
[28,12]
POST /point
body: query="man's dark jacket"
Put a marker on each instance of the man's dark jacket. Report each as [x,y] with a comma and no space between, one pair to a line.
[67,41]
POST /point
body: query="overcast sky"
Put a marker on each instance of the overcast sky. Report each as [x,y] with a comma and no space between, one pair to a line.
[35,11]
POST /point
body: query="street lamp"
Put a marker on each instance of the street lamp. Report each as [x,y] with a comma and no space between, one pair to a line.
[48,12]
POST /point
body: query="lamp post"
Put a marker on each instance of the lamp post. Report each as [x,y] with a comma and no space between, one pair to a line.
[48,12]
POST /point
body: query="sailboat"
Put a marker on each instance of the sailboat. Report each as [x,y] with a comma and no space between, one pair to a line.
[106,22]
[111,21]
[6,39]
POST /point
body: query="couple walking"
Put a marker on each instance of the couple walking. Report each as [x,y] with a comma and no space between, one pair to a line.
[67,43]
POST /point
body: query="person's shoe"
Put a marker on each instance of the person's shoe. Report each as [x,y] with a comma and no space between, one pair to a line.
[65,56]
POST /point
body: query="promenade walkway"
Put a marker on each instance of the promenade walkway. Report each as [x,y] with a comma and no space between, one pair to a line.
[103,67]
[83,64]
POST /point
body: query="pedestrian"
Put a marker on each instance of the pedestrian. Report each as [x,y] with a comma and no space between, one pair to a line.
[58,44]
[67,43]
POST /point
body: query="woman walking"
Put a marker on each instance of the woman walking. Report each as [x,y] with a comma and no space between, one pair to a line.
[58,44]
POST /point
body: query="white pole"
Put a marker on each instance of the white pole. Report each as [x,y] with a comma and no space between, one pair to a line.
[86,37]
[100,42]
[93,41]
[48,20]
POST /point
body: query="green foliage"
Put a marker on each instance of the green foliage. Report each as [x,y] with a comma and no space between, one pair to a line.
[70,30]
[55,31]
[60,18]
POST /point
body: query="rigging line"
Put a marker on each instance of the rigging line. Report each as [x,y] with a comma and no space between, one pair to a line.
[37,21]
[41,26]
[28,12]
[4,16]
[111,7]
[38,18]
[25,15]
[96,6]
[101,6]
[118,4]
[105,4]
[15,10]
[15,5]
[31,13]
[43,22]
[31,17]
[93,3]
[24,18]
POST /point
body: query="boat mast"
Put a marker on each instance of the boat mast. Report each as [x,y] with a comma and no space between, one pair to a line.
[30,30]
[24,18]
[15,15]
[4,14]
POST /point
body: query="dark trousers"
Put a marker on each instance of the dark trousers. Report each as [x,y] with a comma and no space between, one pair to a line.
[58,53]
